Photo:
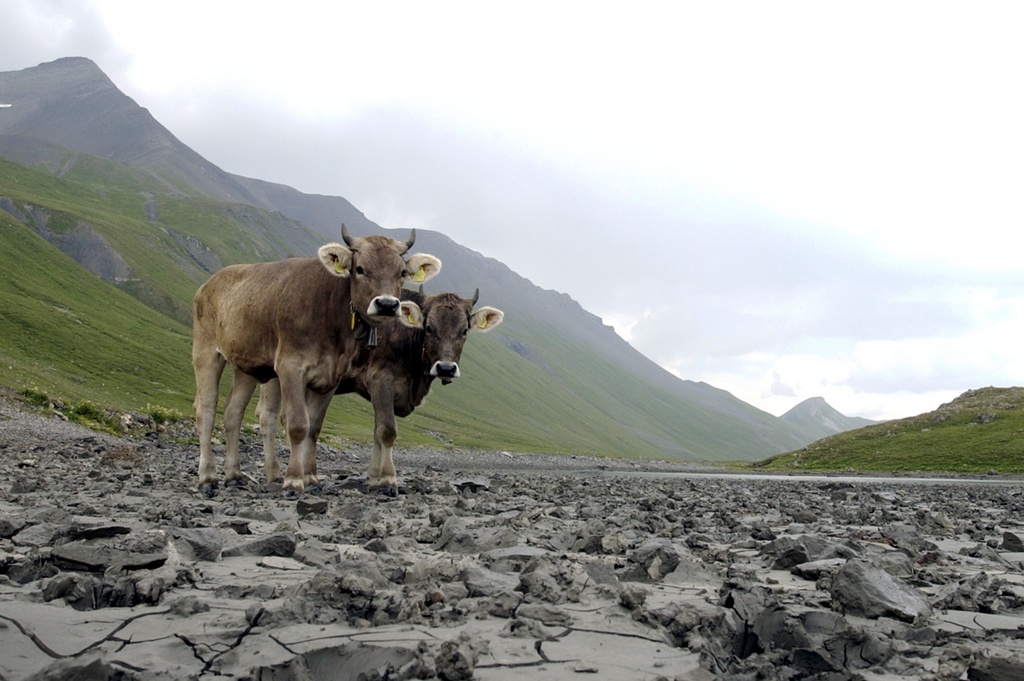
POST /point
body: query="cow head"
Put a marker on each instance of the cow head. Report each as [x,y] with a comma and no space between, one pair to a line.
[446,319]
[376,268]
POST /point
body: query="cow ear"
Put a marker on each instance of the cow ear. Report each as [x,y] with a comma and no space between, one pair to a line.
[486,318]
[336,259]
[422,267]
[411,315]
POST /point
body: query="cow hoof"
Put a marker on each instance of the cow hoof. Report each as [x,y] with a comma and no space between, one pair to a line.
[389,492]
[291,494]
[315,489]
[237,482]
[209,489]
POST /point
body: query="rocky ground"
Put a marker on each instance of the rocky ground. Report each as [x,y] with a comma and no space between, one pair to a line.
[492,566]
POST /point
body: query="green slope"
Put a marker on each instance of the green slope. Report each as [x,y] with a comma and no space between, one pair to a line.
[980,431]
[69,334]
[549,380]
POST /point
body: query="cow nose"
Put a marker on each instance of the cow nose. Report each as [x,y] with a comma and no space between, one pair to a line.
[384,306]
[446,369]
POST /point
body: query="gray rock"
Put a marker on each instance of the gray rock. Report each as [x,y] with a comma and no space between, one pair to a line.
[545,613]
[10,526]
[456,660]
[475,483]
[511,558]
[816,568]
[861,588]
[274,545]
[1013,541]
[308,506]
[654,559]
[790,551]
[554,579]
[100,557]
[198,543]
[38,535]
[997,668]
[457,537]
[480,581]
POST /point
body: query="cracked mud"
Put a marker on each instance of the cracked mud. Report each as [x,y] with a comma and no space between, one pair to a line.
[491,566]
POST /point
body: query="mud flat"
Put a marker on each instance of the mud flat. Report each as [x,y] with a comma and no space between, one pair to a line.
[492,566]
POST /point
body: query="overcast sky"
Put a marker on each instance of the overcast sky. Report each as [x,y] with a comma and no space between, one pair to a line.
[785,200]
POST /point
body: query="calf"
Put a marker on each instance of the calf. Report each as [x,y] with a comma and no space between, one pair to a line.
[425,344]
[305,322]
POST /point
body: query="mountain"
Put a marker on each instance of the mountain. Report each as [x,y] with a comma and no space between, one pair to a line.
[815,418]
[977,433]
[92,175]
[71,103]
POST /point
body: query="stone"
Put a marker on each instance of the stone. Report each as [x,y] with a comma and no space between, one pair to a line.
[655,558]
[475,483]
[1013,542]
[274,545]
[863,589]
[308,506]
[456,660]
[93,557]
[199,543]
[480,581]
[997,668]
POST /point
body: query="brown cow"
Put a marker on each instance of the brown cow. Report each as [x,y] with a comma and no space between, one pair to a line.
[304,321]
[426,344]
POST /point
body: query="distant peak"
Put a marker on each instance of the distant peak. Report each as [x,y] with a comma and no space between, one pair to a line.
[69,72]
[80,63]
[815,407]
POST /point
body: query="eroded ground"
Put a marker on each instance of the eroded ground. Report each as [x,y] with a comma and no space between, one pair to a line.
[492,566]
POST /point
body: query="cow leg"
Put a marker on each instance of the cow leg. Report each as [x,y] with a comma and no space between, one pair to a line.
[296,424]
[242,388]
[382,475]
[208,367]
[316,407]
[268,410]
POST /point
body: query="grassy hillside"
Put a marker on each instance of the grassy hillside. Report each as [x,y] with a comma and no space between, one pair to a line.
[980,431]
[535,384]
[71,335]
[75,336]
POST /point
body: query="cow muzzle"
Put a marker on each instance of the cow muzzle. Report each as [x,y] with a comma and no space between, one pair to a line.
[446,371]
[383,306]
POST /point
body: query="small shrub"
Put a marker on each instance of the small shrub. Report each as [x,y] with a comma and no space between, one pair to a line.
[163,415]
[93,416]
[35,396]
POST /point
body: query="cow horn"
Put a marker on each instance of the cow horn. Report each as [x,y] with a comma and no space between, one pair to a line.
[346,237]
[412,239]
[476,297]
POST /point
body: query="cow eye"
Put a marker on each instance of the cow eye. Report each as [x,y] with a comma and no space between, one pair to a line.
[429,329]
[360,270]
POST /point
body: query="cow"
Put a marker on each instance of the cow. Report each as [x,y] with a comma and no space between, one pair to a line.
[306,322]
[426,343]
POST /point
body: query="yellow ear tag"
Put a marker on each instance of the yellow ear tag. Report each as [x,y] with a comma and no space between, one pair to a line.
[412,319]
[482,324]
[338,267]
[420,276]
[352,323]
